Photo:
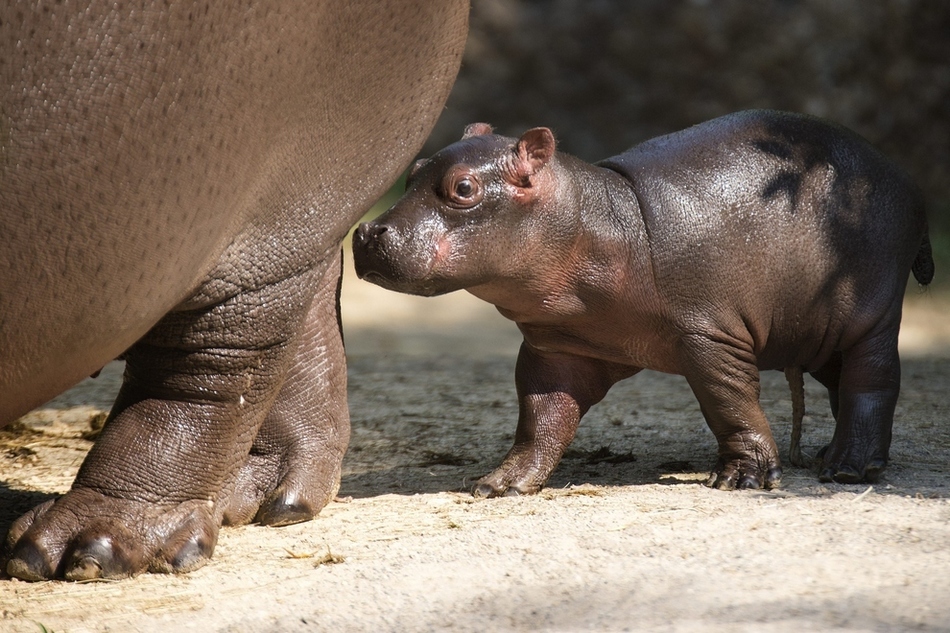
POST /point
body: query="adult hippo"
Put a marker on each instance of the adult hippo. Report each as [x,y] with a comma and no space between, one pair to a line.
[175,182]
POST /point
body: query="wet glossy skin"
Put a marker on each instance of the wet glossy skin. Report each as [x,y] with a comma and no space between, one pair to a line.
[760,240]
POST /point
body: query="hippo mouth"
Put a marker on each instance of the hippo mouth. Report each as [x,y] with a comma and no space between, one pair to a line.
[379,273]
[374,277]
[423,288]
[373,269]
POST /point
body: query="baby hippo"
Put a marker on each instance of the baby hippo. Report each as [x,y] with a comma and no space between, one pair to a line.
[758,240]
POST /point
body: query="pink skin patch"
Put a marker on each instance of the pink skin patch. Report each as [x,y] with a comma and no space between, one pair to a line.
[443,249]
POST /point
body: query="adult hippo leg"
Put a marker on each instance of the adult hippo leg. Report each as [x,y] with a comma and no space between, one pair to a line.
[294,466]
[192,402]
[176,183]
[725,380]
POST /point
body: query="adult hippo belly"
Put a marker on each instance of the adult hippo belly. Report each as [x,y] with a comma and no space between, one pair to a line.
[175,182]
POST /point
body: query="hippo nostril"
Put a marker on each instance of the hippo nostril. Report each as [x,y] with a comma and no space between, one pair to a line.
[368,232]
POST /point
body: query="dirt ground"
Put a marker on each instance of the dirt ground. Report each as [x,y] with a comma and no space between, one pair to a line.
[623,538]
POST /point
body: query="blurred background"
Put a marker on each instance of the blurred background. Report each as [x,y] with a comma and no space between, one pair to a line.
[607,74]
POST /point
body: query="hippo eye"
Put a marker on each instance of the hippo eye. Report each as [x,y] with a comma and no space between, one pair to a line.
[462,188]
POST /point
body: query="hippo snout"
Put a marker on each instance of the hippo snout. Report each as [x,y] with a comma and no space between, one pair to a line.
[368,233]
[399,257]
[370,251]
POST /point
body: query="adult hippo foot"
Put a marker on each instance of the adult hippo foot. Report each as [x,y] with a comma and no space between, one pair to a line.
[88,535]
[283,490]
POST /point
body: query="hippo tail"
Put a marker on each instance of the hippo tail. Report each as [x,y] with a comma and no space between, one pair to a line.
[923,267]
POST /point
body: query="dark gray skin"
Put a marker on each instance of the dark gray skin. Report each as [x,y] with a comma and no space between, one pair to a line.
[759,240]
[175,183]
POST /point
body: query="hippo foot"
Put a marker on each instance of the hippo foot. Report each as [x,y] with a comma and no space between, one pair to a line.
[270,492]
[88,535]
[742,474]
[843,468]
[486,490]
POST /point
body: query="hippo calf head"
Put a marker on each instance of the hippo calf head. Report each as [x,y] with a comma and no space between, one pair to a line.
[465,212]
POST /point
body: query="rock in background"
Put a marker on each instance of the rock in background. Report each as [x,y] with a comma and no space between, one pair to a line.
[607,74]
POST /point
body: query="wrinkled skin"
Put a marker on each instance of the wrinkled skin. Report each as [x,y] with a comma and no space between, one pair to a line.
[175,182]
[760,240]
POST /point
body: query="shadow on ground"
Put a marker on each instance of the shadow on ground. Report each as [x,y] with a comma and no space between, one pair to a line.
[425,425]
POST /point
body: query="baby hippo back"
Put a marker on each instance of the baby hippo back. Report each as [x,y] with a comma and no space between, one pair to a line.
[782,223]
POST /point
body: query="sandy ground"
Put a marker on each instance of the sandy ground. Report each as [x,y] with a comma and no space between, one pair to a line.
[623,538]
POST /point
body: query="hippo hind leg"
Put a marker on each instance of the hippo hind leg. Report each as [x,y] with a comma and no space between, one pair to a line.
[829,375]
[863,399]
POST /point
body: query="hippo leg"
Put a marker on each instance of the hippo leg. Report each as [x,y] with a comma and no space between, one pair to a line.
[294,466]
[554,392]
[829,375]
[725,380]
[197,388]
[867,393]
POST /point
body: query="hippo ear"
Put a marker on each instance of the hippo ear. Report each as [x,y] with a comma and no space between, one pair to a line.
[476,129]
[532,152]
[416,166]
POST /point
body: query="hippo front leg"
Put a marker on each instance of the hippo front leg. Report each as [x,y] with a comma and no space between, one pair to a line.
[725,380]
[197,389]
[554,393]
